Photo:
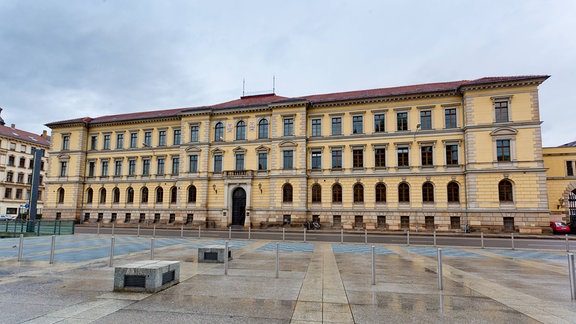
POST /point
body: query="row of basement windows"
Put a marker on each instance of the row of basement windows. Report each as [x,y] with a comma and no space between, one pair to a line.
[426,155]
[505,189]
[450,121]
[141,218]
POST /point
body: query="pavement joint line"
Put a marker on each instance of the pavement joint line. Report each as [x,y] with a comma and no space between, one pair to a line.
[531,306]
[531,263]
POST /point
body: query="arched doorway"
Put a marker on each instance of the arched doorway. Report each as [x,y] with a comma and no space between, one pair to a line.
[238,207]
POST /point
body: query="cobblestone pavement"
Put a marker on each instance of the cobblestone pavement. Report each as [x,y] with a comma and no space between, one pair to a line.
[317,283]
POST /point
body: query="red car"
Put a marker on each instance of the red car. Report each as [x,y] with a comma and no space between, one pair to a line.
[559,227]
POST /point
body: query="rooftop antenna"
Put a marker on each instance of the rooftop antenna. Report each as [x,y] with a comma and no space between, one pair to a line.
[243,87]
[274,84]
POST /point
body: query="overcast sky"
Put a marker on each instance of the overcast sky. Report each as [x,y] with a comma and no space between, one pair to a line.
[66,59]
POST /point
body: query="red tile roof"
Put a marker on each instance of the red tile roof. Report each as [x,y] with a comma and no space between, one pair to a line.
[266,99]
[23,135]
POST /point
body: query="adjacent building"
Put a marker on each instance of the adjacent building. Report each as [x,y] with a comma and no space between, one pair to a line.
[560,163]
[449,156]
[16,168]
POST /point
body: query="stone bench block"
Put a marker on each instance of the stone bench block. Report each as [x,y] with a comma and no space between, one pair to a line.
[146,276]
[213,254]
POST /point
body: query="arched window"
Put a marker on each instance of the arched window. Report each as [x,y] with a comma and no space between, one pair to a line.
[241,130]
[89,195]
[428,192]
[403,192]
[337,193]
[144,195]
[103,196]
[192,194]
[287,193]
[358,193]
[505,191]
[60,195]
[263,128]
[173,195]
[316,193]
[116,195]
[219,132]
[130,195]
[453,192]
[159,195]
[380,193]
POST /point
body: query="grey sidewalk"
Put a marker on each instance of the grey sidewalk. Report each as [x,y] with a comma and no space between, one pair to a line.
[330,284]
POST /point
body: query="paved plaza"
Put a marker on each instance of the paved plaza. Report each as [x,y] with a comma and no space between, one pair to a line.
[317,283]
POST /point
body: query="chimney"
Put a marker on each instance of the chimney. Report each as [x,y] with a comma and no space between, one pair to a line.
[44,134]
[13,126]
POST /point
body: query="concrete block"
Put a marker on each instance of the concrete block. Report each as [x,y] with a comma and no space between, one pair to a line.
[146,276]
[213,254]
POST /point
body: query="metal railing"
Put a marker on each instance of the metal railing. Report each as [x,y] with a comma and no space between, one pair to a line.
[36,228]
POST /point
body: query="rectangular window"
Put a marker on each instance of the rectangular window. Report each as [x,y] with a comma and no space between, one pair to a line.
[452,154]
[91,168]
[146,167]
[63,168]
[380,157]
[402,121]
[131,167]
[454,222]
[148,139]
[262,161]
[426,119]
[503,150]
[18,193]
[194,133]
[336,159]
[358,158]
[426,154]
[217,163]
[9,177]
[316,160]
[405,222]
[570,168]
[288,127]
[93,142]
[450,118]
[160,166]
[317,127]
[337,126]
[65,142]
[104,172]
[177,137]
[162,138]
[379,123]
[403,157]
[501,111]
[175,165]
[193,162]
[106,145]
[118,168]
[133,140]
[357,125]
[20,178]
[288,158]
[239,162]
[119,141]
[8,193]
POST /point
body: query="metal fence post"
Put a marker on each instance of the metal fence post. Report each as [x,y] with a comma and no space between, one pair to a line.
[440,283]
[52,248]
[199,229]
[20,247]
[482,239]
[373,265]
[98,230]
[154,231]
[365,236]
[226,259]
[567,244]
[138,230]
[230,232]
[249,233]
[571,275]
[152,248]
[111,263]
[512,240]
[113,229]
[434,238]
[304,234]
[283,234]
[182,230]
[407,237]
[277,259]
[342,236]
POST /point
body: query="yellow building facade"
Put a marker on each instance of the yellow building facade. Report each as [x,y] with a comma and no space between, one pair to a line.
[448,156]
[560,163]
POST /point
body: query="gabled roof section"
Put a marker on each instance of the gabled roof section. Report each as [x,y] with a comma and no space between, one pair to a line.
[23,136]
[251,101]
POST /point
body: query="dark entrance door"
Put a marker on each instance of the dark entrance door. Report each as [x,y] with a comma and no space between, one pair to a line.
[238,206]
